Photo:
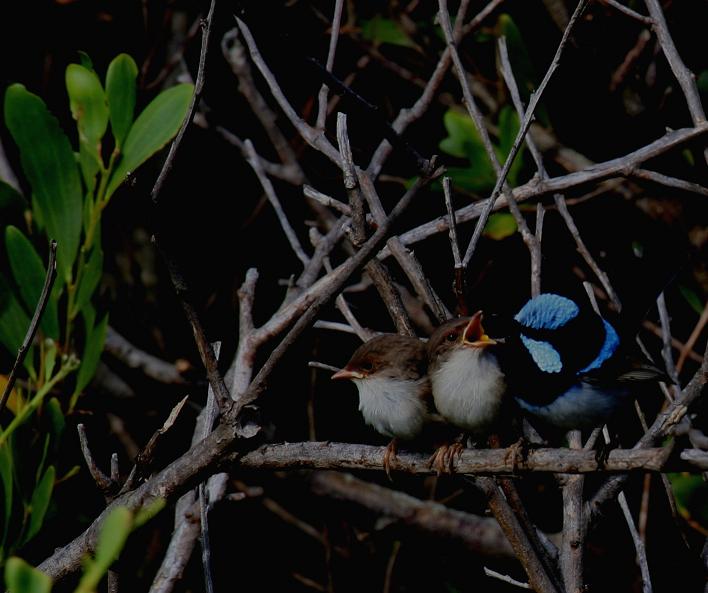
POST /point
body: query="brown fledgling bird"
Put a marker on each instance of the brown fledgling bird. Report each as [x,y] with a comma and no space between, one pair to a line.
[467,383]
[389,372]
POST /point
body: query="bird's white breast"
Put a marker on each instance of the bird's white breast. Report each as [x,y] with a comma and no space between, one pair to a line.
[468,388]
[392,406]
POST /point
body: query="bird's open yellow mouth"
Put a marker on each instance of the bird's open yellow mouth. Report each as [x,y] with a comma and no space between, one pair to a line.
[474,336]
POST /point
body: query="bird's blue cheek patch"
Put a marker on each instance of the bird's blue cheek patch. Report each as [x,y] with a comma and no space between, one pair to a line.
[547,311]
[608,348]
[544,355]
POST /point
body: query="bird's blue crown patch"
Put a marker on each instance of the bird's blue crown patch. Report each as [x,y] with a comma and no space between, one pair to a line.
[608,348]
[544,355]
[547,311]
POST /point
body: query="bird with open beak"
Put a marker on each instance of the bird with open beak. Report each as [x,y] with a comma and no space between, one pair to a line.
[389,372]
[467,383]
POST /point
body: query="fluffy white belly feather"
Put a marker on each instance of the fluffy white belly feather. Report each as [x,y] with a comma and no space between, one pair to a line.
[468,389]
[392,406]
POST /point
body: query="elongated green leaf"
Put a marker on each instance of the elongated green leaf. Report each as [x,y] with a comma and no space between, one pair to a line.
[111,541]
[50,358]
[20,577]
[120,91]
[56,420]
[90,278]
[10,198]
[88,104]
[92,354]
[7,488]
[40,502]
[114,533]
[49,163]
[14,322]
[29,273]
[89,109]
[154,127]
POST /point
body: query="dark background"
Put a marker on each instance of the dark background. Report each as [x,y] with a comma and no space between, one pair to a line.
[211,219]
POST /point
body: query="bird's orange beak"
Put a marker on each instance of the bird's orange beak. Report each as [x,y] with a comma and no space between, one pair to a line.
[474,336]
[347,373]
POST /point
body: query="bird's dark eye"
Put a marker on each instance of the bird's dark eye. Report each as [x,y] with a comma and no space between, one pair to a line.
[451,337]
[367,365]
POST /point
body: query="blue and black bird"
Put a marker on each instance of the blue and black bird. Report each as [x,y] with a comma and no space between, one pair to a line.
[567,367]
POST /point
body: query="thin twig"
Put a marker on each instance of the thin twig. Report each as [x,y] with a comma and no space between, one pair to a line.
[333,38]
[670,181]
[538,576]
[34,323]
[479,534]
[334,283]
[476,115]
[198,87]
[687,348]
[685,78]
[269,190]
[135,358]
[458,284]
[104,483]
[629,12]
[526,122]
[374,268]
[538,187]
[409,115]
[666,339]
[505,578]
[312,136]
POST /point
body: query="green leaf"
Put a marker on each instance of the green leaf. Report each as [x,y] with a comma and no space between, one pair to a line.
[463,141]
[49,163]
[144,514]
[56,421]
[380,30]
[91,276]
[20,577]
[89,109]
[691,494]
[702,81]
[14,322]
[40,502]
[691,298]
[88,105]
[111,540]
[50,358]
[92,354]
[6,468]
[524,72]
[85,60]
[499,226]
[120,91]
[508,129]
[29,273]
[11,198]
[154,127]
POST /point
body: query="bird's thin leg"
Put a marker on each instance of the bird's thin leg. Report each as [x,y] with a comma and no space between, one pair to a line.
[391,451]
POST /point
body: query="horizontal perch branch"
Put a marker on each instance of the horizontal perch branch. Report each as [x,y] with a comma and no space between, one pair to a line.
[328,455]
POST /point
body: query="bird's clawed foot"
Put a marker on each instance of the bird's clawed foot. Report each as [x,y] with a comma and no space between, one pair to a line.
[389,455]
[518,453]
[602,453]
[443,460]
